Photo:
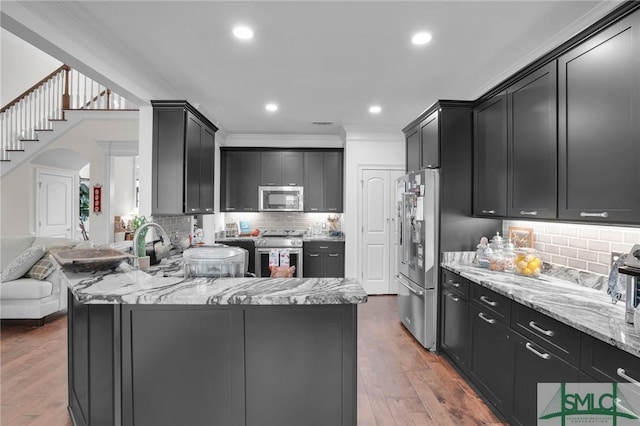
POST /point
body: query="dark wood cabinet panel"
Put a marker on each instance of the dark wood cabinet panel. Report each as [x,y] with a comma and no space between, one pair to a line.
[430,143]
[281,168]
[313,181]
[535,364]
[490,157]
[455,327]
[292,169]
[183,160]
[532,165]
[606,363]
[333,181]
[323,259]
[271,168]
[599,129]
[413,158]
[323,181]
[240,181]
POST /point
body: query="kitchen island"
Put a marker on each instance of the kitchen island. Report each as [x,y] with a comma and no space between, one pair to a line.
[154,348]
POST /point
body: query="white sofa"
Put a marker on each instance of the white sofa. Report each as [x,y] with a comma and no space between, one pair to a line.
[27,297]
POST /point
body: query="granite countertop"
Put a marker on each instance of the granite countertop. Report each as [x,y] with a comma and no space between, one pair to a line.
[587,309]
[165,284]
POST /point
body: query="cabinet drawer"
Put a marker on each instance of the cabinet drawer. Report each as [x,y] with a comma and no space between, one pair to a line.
[493,302]
[456,284]
[324,246]
[558,338]
[607,363]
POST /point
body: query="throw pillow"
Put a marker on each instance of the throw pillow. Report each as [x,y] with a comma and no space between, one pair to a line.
[44,267]
[21,264]
[282,271]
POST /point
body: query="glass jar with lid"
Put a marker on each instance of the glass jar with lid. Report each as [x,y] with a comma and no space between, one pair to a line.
[527,262]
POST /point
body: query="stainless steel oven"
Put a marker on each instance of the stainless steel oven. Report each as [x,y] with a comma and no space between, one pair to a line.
[270,248]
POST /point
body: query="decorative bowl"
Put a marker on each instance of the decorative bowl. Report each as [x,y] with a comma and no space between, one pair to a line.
[89,259]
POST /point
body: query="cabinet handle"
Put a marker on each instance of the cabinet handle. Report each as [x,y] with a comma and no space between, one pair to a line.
[489,211]
[231,208]
[536,327]
[622,373]
[194,210]
[332,209]
[526,213]
[314,254]
[484,318]
[208,210]
[602,214]
[323,247]
[270,184]
[453,283]
[334,254]
[314,209]
[488,302]
[248,208]
[540,354]
[292,184]
[454,298]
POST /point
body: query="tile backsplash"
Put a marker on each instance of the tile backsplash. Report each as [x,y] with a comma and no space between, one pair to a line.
[280,220]
[172,224]
[583,247]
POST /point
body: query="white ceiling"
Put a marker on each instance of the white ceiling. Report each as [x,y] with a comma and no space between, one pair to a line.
[319,60]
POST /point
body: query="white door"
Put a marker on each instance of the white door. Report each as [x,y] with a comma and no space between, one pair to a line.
[55,216]
[379,235]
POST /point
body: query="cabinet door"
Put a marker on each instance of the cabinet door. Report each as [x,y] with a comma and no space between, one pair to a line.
[430,143]
[313,267]
[193,138]
[599,129]
[242,174]
[533,145]
[333,181]
[533,365]
[167,157]
[292,169]
[490,158]
[455,327]
[492,359]
[333,265]
[270,168]
[413,150]
[207,170]
[313,181]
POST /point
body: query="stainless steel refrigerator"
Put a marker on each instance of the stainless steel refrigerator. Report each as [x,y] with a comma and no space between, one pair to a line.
[418,212]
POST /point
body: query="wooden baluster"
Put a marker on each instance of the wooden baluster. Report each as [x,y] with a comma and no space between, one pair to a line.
[108,99]
[65,94]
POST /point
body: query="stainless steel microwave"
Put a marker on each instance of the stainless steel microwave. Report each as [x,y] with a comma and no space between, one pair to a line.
[280,198]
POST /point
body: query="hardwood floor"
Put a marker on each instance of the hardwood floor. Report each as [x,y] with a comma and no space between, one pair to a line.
[399,383]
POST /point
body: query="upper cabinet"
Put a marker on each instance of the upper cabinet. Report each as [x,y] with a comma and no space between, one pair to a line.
[532,145]
[490,157]
[240,177]
[281,168]
[423,145]
[183,160]
[599,126]
[323,181]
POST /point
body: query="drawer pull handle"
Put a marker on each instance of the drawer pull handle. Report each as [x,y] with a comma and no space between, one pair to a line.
[488,302]
[248,208]
[526,213]
[453,283]
[324,247]
[334,254]
[586,214]
[313,255]
[231,208]
[452,297]
[292,184]
[540,354]
[622,373]
[536,327]
[486,319]
[313,209]
[489,211]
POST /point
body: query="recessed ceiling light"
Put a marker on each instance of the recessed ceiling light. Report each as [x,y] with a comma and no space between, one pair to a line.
[375,109]
[243,32]
[421,38]
[271,107]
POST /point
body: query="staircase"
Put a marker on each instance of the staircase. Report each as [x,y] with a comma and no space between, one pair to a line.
[40,114]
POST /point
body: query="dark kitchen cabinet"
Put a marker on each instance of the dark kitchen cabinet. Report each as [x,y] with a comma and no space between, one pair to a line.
[490,157]
[532,145]
[412,150]
[281,168]
[323,259]
[240,178]
[492,347]
[423,144]
[323,181]
[599,129]
[606,363]
[455,318]
[183,160]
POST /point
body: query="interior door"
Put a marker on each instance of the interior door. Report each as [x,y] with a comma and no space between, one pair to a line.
[379,233]
[55,215]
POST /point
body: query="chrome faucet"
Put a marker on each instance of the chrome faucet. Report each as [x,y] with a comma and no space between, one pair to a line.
[166,241]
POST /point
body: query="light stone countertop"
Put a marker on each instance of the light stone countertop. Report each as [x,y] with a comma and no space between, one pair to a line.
[587,309]
[165,284]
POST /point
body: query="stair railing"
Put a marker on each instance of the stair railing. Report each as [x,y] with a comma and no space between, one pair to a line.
[37,108]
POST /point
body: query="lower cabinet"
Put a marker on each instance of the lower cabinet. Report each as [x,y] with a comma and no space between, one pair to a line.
[323,259]
[492,361]
[455,318]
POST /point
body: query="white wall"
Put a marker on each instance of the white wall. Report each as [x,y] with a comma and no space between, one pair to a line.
[370,148]
[123,185]
[21,66]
